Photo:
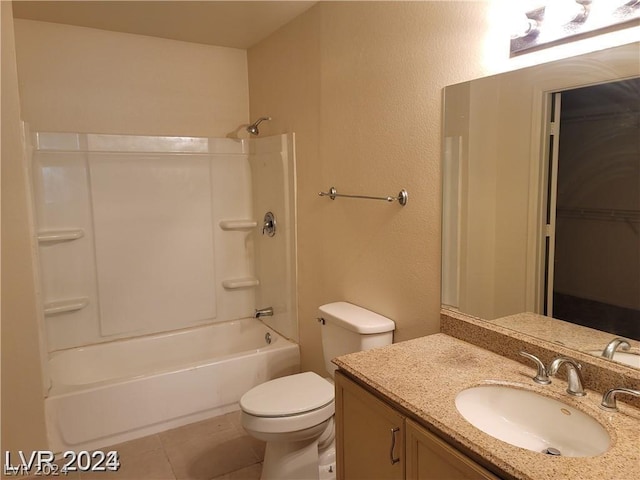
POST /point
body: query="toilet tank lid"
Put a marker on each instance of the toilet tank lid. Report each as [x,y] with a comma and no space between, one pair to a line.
[355,318]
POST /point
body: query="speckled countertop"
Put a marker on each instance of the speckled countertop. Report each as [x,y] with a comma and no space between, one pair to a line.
[424,375]
[560,332]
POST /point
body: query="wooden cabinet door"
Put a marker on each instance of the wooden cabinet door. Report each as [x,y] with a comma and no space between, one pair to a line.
[369,435]
[430,458]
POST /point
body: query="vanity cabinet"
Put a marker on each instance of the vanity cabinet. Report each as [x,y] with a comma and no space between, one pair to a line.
[375,441]
[369,435]
[429,457]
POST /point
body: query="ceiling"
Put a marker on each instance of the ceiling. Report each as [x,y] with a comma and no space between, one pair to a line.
[237,24]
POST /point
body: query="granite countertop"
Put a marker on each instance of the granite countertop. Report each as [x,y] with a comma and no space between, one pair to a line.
[424,375]
[569,334]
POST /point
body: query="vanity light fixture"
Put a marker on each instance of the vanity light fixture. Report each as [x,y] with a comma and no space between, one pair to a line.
[543,23]
[627,3]
[558,13]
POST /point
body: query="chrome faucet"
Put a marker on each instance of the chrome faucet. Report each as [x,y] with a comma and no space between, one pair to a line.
[541,377]
[263,312]
[609,398]
[574,375]
[611,347]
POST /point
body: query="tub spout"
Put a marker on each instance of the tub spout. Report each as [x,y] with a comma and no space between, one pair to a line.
[264,312]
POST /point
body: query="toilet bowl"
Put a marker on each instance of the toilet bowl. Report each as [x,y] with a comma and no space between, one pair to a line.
[294,414]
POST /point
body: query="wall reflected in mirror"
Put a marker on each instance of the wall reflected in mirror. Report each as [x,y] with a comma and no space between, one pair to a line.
[526,211]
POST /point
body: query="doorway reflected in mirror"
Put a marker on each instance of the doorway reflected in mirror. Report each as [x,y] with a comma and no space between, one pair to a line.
[593,268]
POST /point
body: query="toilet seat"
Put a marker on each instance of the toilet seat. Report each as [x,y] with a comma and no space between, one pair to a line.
[288,396]
[288,404]
[288,425]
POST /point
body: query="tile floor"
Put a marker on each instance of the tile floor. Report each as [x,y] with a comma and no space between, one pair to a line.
[214,449]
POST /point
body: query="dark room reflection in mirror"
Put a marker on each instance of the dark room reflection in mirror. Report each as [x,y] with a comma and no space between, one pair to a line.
[593,215]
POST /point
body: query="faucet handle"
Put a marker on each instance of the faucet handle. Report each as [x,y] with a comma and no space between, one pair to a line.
[609,398]
[541,376]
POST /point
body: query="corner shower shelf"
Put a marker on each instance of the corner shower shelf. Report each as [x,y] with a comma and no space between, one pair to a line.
[234,283]
[63,306]
[238,224]
[60,235]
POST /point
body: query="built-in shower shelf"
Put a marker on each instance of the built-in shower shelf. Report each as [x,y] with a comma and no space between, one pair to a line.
[245,282]
[60,235]
[238,224]
[63,306]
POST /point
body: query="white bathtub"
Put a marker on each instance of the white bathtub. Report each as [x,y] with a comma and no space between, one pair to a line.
[110,393]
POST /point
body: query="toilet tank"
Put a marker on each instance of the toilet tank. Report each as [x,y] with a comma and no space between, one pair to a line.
[347,328]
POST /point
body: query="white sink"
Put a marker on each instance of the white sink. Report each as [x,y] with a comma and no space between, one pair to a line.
[627,358]
[529,420]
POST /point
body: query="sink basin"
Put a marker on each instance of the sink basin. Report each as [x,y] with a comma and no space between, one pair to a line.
[529,420]
[632,359]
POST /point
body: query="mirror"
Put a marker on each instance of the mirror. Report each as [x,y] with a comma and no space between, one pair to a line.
[501,197]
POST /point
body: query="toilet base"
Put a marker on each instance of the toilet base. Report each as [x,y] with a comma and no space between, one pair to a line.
[291,461]
[327,461]
[311,457]
[298,461]
[327,472]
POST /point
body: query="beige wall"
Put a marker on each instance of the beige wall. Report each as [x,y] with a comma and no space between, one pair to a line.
[361,85]
[22,405]
[88,80]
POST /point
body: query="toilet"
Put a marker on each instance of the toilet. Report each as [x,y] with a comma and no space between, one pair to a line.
[294,414]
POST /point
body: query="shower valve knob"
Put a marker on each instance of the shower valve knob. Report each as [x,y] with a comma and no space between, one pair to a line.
[269,225]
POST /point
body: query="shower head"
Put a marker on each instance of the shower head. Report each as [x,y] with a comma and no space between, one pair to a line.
[253,128]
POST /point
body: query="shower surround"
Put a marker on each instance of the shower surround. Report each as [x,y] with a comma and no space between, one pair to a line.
[150,248]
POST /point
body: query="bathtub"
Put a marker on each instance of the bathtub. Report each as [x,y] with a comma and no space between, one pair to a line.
[109,393]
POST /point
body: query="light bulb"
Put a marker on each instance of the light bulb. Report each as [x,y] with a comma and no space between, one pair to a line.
[523,26]
[561,12]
